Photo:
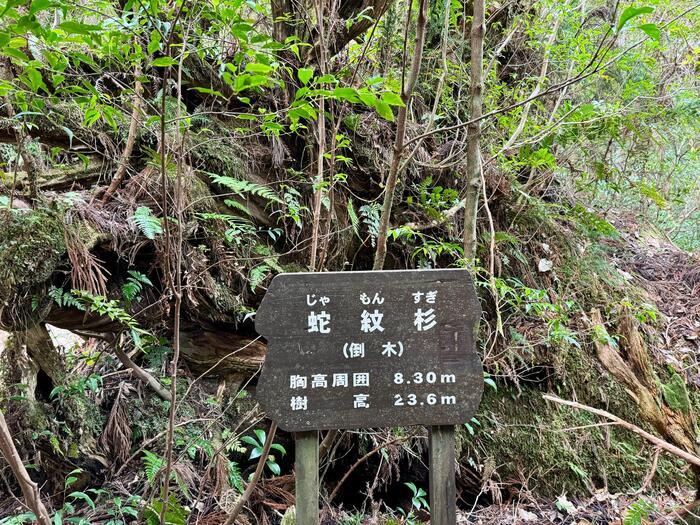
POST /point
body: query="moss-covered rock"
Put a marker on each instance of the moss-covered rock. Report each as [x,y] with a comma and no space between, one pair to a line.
[32,245]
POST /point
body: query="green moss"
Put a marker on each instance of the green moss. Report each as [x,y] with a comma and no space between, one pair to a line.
[215,148]
[199,197]
[556,449]
[675,394]
[31,247]
[225,299]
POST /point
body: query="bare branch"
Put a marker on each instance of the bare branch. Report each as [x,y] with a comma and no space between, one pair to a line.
[668,447]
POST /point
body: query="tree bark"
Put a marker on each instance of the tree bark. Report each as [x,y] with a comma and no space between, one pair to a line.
[635,372]
[406,93]
[30,490]
[131,138]
[474,131]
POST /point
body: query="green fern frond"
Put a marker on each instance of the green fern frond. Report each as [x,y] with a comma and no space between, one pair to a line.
[153,464]
[149,224]
[235,205]
[63,298]
[638,512]
[235,479]
[354,219]
[244,188]
[257,275]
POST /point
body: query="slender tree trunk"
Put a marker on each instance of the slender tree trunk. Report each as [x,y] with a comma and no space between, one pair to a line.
[321,130]
[32,497]
[131,138]
[476,89]
[406,93]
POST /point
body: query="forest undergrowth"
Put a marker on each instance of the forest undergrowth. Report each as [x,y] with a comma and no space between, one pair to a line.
[162,161]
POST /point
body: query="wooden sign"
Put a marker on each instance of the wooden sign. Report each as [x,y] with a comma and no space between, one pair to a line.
[370,349]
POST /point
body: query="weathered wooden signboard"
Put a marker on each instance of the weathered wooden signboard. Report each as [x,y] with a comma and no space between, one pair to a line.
[370,349]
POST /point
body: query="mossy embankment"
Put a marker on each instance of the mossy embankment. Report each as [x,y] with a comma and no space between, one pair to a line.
[553,281]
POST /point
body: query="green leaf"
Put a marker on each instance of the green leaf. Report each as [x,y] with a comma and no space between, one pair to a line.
[15,53]
[392,99]
[651,30]
[77,28]
[10,4]
[274,468]
[70,480]
[32,78]
[260,433]
[345,93]
[246,81]
[154,43]
[305,74]
[326,79]
[279,448]
[208,91]
[368,98]
[384,111]
[258,68]
[164,62]
[630,13]
[81,495]
[250,440]
[39,5]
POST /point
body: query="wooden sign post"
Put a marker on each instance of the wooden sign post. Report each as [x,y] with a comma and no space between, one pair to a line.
[371,349]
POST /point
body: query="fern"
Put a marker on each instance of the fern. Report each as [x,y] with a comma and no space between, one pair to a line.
[153,464]
[134,285]
[638,512]
[103,306]
[257,275]
[63,298]
[244,188]
[238,227]
[149,224]
[294,209]
[370,216]
[87,302]
[354,220]
[235,205]
[234,476]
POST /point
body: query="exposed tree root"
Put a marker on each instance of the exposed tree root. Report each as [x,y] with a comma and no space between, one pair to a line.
[636,373]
